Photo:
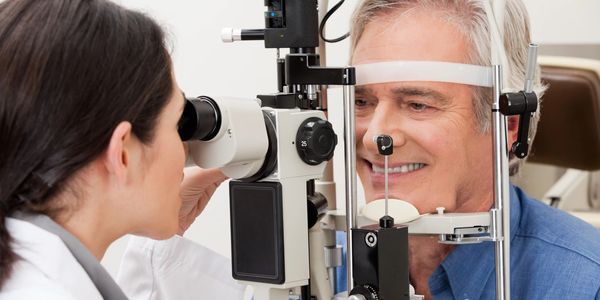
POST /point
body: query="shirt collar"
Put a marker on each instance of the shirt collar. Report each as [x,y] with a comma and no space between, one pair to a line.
[468,267]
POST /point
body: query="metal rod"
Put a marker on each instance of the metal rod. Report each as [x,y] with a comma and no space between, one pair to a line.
[385,159]
[530,70]
[332,279]
[350,171]
[311,92]
[501,192]
[322,50]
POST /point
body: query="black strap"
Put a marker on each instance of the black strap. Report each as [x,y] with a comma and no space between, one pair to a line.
[105,284]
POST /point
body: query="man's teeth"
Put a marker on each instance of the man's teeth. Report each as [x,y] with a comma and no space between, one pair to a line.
[401,169]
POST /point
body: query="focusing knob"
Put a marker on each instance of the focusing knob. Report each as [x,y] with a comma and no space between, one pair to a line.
[366,292]
[315,141]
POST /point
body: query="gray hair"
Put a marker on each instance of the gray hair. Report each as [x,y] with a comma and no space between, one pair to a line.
[470,18]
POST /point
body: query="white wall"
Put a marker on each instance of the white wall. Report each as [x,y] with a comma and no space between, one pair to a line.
[565,21]
[205,65]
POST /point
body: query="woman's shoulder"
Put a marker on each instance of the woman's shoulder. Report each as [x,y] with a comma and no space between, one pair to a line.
[45,267]
[28,282]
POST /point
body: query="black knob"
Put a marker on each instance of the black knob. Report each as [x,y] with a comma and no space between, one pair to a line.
[315,141]
[386,222]
[366,292]
[385,144]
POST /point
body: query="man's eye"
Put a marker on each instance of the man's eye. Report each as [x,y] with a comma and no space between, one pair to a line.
[418,106]
[360,102]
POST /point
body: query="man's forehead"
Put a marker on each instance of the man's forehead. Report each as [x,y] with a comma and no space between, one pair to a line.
[410,36]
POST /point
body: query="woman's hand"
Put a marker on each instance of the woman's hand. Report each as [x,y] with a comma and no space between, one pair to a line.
[196,189]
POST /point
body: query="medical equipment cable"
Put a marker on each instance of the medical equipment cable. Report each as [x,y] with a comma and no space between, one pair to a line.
[325,18]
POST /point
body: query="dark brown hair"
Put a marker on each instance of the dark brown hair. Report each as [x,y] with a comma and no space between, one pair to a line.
[70,72]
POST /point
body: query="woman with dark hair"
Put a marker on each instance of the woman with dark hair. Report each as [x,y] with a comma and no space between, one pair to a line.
[89,113]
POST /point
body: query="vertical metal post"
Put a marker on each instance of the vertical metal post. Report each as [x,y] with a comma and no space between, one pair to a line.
[386,185]
[322,51]
[530,70]
[501,192]
[350,171]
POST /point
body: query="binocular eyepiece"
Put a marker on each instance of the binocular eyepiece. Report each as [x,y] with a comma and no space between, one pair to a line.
[201,119]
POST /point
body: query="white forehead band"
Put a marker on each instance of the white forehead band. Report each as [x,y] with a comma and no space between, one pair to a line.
[393,71]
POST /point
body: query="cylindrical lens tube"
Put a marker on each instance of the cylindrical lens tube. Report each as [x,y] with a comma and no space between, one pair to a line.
[201,119]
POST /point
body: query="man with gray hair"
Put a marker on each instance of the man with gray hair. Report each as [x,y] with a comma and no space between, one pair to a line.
[443,151]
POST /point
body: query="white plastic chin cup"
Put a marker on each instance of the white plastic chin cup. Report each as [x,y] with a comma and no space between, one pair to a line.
[401,211]
[438,71]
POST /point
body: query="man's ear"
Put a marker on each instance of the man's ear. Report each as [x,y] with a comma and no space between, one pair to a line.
[117,157]
[513,129]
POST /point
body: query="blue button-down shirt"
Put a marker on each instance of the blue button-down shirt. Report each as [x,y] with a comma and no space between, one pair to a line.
[553,256]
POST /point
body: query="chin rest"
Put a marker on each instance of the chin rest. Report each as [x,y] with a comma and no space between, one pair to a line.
[568,133]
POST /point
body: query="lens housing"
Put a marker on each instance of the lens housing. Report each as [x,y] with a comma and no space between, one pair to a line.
[201,119]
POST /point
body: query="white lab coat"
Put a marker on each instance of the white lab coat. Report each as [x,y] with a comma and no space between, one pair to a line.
[178,269]
[172,269]
[47,269]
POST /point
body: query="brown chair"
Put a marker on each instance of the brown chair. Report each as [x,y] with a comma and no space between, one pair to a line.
[568,134]
[569,130]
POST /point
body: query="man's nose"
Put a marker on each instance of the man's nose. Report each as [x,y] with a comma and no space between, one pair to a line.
[386,120]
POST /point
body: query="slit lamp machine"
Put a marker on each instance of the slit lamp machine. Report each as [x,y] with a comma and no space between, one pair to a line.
[276,149]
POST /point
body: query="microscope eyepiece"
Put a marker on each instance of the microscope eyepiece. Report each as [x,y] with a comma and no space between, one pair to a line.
[201,119]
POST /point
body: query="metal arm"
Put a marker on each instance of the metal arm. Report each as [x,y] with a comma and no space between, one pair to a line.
[501,211]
